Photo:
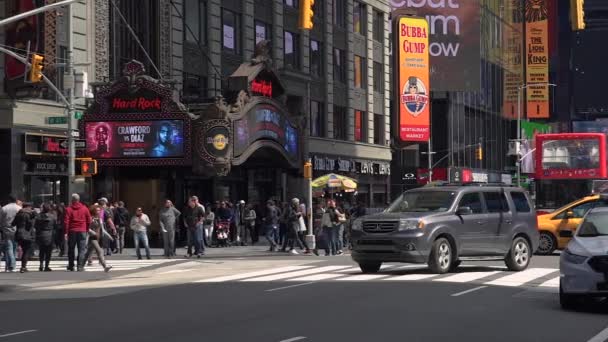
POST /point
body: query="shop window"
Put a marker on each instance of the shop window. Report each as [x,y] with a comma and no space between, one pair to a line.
[317,119]
[231,31]
[316,58]
[195,22]
[340,123]
[378,78]
[359,72]
[340,13]
[339,66]
[291,3]
[291,48]
[360,126]
[263,31]
[378,26]
[194,88]
[379,129]
[359,17]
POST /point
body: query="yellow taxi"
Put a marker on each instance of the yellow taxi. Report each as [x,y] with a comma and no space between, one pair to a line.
[567,217]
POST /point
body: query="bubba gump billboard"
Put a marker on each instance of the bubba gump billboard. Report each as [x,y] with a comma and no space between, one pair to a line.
[413,90]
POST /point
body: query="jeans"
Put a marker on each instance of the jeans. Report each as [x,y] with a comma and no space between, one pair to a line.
[331,243]
[340,237]
[120,240]
[76,240]
[141,237]
[10,250]
[93,245]
[208,230]
[272,235]
[199,236]
[169,242]
[293,238]
[193,241]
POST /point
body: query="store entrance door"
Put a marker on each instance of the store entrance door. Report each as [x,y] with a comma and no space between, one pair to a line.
[144,193]
[41,189]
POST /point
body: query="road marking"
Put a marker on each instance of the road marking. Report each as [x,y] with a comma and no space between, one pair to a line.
[293,339]
[252,274]
[363,277]
[466,277]
[178,271]
[296,274]
[412,277]
[601,337]
[317,277]
[523,277]
[550,283]
[468,291]
[349,270]
[18,333]
[289,287]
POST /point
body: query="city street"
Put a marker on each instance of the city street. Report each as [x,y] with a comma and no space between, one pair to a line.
[290,298]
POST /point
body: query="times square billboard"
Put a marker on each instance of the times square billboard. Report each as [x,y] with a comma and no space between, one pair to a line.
[454,48]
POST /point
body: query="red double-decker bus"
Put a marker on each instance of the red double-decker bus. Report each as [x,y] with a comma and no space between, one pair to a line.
[566,165]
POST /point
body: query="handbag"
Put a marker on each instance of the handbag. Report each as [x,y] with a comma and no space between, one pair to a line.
[302,224]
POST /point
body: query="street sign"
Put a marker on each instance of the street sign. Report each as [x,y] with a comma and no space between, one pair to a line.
[75,134]
[57,120]
[79,144]
[78,115]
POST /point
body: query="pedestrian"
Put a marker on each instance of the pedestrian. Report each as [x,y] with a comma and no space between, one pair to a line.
[59,238]
[248,226]
[9,231]
[303,227]
[192,217]
[121,221]
[318,213]
[208,226]
[139,225]
[341,221]
[26,233]
[107,216]
[239,222]
[328,222]
[95,234]
[77,220]
[293,225]
[45,225]
[283,224]
[168,218]
[271,222]
[199,226]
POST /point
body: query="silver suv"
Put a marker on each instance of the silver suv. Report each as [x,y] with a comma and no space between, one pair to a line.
[442,225]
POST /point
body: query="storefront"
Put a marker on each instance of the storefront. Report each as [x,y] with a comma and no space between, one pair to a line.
[372,177]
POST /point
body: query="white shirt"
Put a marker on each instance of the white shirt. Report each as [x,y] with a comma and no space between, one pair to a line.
[140,224]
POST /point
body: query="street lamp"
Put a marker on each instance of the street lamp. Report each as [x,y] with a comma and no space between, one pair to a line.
[518,140]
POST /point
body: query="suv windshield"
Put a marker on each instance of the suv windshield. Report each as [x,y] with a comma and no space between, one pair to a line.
[594,225]
[422,201]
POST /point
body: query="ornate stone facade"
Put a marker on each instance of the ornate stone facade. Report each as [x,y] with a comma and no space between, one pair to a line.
[102,41]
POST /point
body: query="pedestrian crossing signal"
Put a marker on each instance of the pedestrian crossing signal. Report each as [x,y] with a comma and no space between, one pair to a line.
[88,167]
[36,68]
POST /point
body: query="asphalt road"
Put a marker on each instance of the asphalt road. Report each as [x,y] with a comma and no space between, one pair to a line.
[309,311]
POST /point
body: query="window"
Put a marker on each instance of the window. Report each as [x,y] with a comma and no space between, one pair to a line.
[291,3]
[317,119]
[339,123]
[291,57]
[359,18]
[378,78]
[195,88]
[360,72]
[360,126]
[230,31]
[263,31]
[379,130]
[579,210]
[339,66]
[195,24]
[340,13]
[473,201]
[316,65]
[423,201]
[521,202]
[378,26]
[496,202]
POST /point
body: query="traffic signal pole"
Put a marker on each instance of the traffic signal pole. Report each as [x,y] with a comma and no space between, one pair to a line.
[69,81]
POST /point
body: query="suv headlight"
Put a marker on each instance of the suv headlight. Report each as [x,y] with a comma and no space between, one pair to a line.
[410,224]
[573,258]
[357,225]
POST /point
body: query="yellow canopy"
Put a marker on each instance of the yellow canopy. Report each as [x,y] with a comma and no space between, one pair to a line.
[334,181]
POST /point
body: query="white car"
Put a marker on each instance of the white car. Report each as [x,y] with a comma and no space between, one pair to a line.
[583,264]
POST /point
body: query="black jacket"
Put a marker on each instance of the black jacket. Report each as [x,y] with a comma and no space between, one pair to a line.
[24,221]
[45,225]
[121,217]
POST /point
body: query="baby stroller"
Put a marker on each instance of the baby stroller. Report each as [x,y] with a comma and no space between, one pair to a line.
[222,232]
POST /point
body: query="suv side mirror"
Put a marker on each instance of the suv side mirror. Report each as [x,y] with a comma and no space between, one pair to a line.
[464,211]
[565,233]
[569,214]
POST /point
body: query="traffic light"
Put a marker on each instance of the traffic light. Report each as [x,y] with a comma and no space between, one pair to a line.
[36,68]
[306,14]
[577,15]
[88,167]
[479,152]
[308,170]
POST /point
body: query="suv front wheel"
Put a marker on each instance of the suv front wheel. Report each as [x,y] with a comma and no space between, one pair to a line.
[441,258]
[519,255]
[370,267]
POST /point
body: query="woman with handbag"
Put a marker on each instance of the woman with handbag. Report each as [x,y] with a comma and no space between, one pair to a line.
[293,225]
[46,225]
[26,233]
[96,232]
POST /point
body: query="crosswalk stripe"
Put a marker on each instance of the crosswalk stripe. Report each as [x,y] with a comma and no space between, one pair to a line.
[523,277]
[317,277]
[350,270]
[363,277]
[554,282]
[409,277]
[252,274]
[466,277]
[296,273]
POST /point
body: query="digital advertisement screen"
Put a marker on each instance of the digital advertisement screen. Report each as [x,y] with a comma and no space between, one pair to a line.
[135,139]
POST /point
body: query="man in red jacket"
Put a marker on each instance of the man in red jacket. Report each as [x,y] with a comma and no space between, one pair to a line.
[77,220]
